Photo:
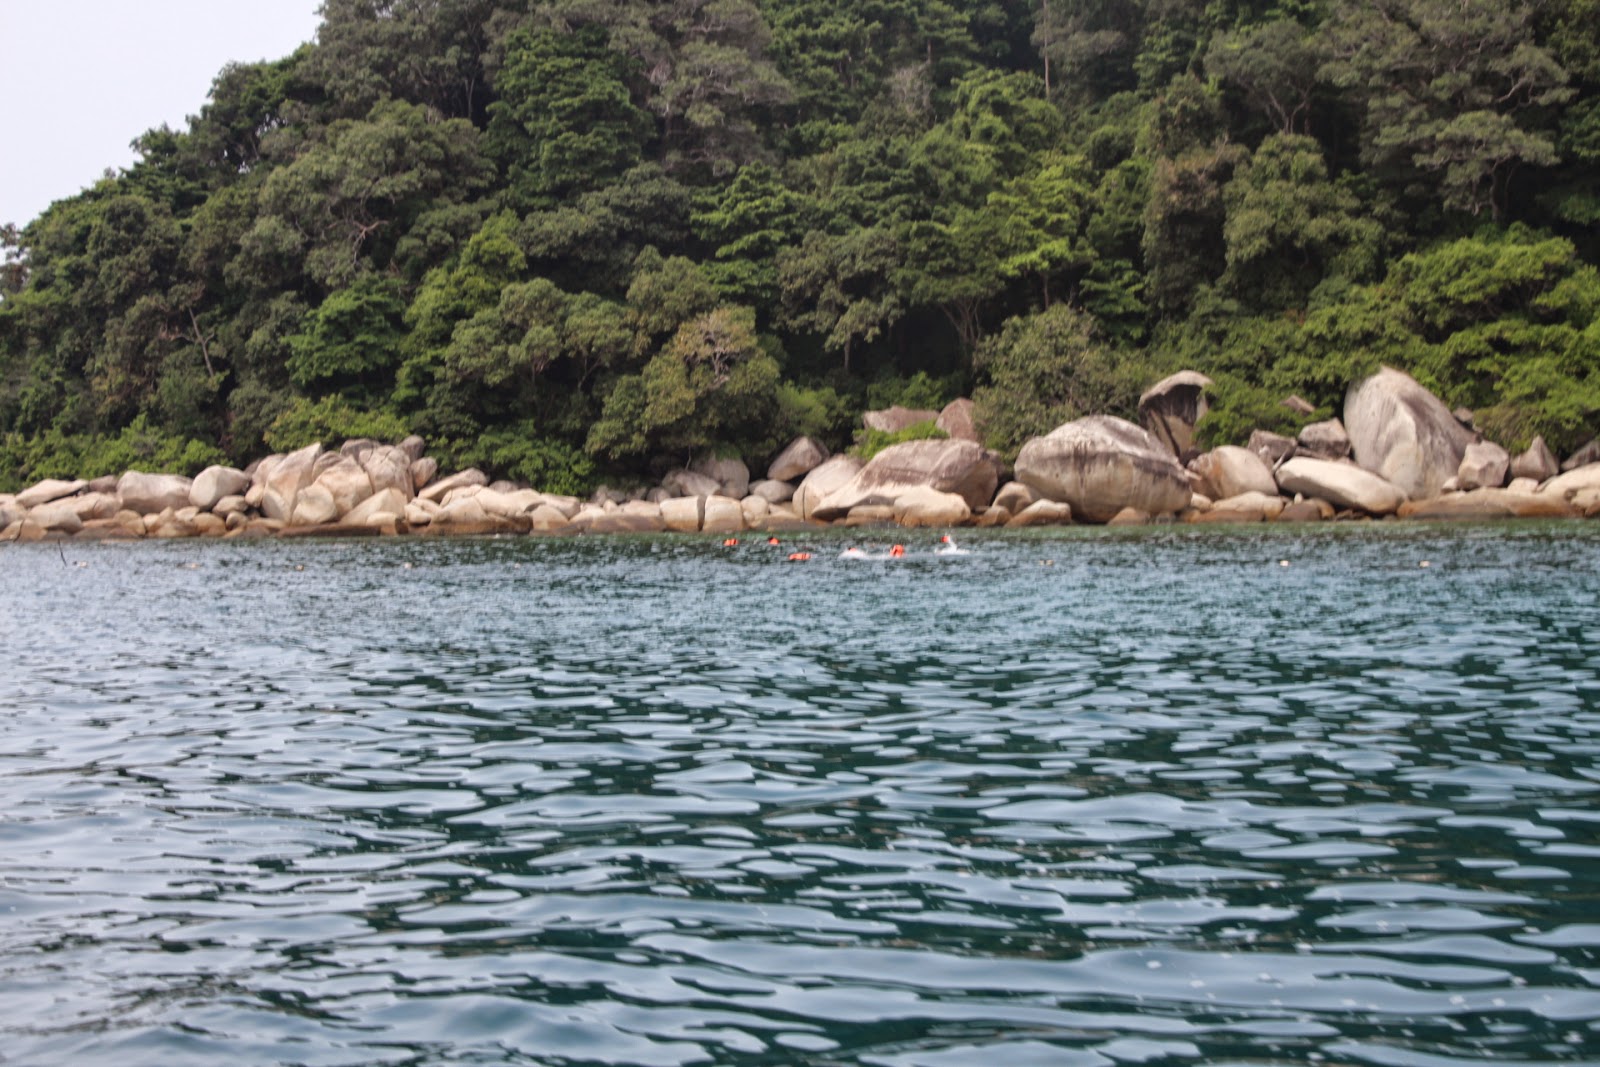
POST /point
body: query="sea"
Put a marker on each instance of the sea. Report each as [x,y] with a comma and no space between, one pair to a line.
[1081,797]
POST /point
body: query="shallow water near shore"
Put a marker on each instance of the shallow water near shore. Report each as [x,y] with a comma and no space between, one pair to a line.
[1077,797]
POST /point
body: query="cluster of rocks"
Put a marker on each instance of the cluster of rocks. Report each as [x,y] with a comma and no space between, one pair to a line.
[1397,452]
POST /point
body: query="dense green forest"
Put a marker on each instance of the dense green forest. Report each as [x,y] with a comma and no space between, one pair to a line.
[574,239]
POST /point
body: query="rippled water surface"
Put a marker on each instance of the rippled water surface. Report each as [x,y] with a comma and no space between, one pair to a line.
[655,801]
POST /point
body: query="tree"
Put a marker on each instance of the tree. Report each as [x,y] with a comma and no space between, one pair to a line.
[1274,65]
[1047,369]
[1288,226]
[564,121]
[1446,89]
[713,384]
[841,287]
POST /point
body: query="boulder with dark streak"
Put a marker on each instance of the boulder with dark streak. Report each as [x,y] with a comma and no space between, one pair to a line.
[1403,433]
[1102,465]
[1169,410]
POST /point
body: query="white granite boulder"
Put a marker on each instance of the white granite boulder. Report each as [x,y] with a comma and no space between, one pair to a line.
[924,505]
[1101,465]
[828,477]
[1342,484]
[1229,471]
[214,483]
[1403,433]
[802,456]
[151,494]
[1538,462]
[949,466]
[1484,465]
[50,489]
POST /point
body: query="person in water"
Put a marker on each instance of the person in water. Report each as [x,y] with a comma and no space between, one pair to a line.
[897,551]
[852,553]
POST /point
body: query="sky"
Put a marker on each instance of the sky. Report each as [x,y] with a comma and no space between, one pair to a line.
[80,79]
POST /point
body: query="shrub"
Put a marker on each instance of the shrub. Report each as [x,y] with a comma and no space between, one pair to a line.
[870,442]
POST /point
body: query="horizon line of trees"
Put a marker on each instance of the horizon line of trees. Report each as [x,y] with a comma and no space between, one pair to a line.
[572,239]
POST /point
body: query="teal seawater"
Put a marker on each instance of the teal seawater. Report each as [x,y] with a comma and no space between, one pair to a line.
[655,801]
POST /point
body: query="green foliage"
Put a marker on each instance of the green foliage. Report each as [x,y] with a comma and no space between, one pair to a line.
[571,230]
[870,442]
[53,454]
[331,421]
[565,120]
[352,337]
[919,392]
[518,453]
[711,386]
[1047,369]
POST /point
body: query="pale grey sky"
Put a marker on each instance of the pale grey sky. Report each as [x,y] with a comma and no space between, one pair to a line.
[80,79]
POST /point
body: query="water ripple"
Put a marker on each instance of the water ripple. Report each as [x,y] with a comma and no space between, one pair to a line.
[652,801]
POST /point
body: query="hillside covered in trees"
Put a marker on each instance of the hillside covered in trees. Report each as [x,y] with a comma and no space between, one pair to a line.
[571,239]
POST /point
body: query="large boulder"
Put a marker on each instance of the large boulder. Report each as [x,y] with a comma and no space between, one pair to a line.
[896,418]
[802,456]
[58,516]
[956,420]
[512,505]
[423,471]
[389,467]
[347,482]
[684,513]
[388,501]
[831,475]
[48,490]
[959,467]
[1273,448]
[1324,440]
[1169,410]
[1589,453]
[1538,462]
[92,506]
[722,515]
[214,483]
[927,506]
[1015,497]
[151,494]
[773,492]
[436,491]
[1043,513]
[731,475]
[1491,503]
[1342,484]
[690,483]
[1580,480]
[1230,471]
[1102,464]
[1403,433]
[313,506]
[1484,465]
[285,481]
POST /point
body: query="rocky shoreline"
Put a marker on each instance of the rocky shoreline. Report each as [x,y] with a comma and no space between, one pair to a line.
[1397,453]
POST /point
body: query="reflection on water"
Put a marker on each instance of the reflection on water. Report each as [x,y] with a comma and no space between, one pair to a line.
[655,801]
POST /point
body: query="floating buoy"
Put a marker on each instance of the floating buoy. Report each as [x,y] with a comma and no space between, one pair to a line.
[1425,563]
[730,542]
[799,557]
[1283,563]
